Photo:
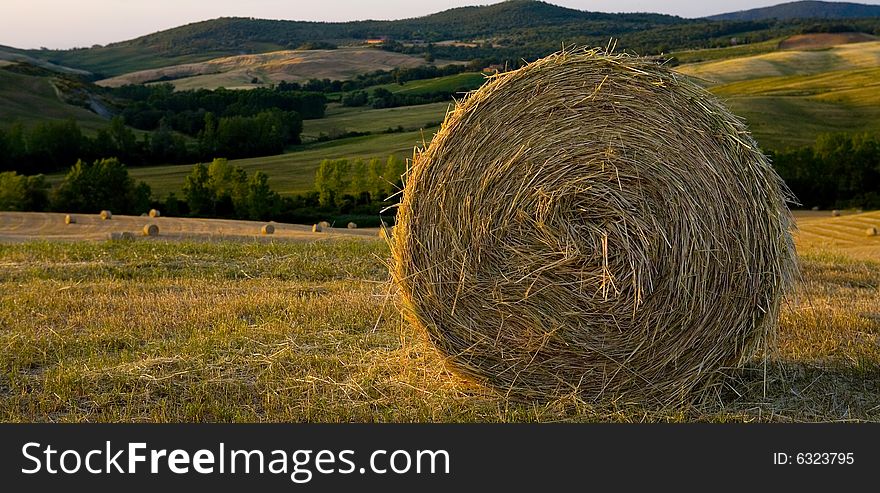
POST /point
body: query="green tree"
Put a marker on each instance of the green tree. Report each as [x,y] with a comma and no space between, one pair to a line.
[103,184]
[198,193]
[23,193]
[262,201]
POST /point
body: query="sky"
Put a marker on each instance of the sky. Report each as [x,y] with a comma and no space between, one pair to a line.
[70,23]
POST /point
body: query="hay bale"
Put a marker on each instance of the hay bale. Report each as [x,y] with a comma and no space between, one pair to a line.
[872,231]
[155,213]
[815,208]
[324,225]
[267,229]
[316,228]
[68,219]
[352,226]
[626,239]
[151,230]
[835,213]
[106,215]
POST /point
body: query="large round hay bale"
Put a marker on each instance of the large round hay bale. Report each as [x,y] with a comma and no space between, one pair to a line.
[871,231]
[106,215]
[267,229]
[352,225]
[594,225]
[155,213]
[151,230]
[835,213]
[316,228]
[68,219]
[324,225]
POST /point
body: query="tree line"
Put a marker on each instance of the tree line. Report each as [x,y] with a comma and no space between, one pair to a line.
[147,107]
[52,145]
[838,171]
[344,190]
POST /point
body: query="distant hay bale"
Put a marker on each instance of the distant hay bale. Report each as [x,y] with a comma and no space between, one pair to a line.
[106,215]
[815,208]
[835,213]
[352,226]
[594,225]
[316,228]
[324,225]
[151,230]
[68,219]
[155,213]
[872,231]
[267,229]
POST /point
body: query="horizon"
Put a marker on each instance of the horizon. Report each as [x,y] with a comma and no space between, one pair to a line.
[101,22]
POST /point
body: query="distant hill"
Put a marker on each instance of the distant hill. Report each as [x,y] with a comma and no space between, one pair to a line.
[236,36]
[505,33]
[803,10]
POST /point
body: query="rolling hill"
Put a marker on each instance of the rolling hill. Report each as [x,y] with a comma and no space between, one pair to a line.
[29,98]
[240,71]
[803,10]
[235,36]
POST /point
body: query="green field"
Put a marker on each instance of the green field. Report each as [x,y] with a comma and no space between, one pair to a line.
[694,56]
[451,83]
[293,172]
[340,119]
[29,99]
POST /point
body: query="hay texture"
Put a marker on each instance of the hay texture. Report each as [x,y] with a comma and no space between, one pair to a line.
[267,229]
[106,215]
[596,226]
[150,230]
[155,213]
[871,231]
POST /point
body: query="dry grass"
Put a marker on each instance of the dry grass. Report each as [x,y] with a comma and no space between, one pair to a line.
[597,226]
[155,331]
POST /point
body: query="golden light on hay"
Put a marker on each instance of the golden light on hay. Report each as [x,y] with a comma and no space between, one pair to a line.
[150,230]
[155,213]
[352,225]
[317,228]
[68,219]
[594,225]
[267,229]
[106,215]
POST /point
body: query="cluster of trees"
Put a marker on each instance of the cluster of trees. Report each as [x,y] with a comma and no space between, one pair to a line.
[220,189]
[344,183]
[839,170]
[147,107]
[52,145]
[383,98]
[88,187]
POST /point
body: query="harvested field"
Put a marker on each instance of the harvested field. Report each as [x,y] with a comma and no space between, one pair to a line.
[31,226]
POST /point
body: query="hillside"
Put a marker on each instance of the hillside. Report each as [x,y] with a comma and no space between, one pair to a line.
[233,36]
[803,10]
[29,98]
[271,68]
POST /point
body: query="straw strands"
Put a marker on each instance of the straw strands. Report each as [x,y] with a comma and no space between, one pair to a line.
[596,226]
